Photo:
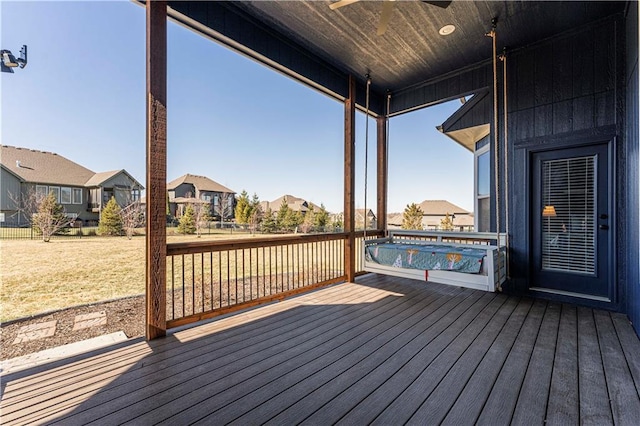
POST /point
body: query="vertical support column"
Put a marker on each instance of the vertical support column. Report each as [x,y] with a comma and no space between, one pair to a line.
[156,238]
[350,180]
[383,173]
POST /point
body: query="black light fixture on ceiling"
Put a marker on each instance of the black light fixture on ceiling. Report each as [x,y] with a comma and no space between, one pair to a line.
[9,61]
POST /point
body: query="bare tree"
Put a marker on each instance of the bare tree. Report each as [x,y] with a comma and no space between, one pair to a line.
[132,217]
[201,215]
[43,213]
[224,206]
[255,218]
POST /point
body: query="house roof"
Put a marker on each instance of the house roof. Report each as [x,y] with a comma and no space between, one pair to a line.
[99,178]
[441,208]
[31,165]
[293,202]
[35,166]
[395,219]
[359,213]
[201,183]
[188,200]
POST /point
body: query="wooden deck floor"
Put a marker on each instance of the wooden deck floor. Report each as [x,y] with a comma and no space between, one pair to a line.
[385,350]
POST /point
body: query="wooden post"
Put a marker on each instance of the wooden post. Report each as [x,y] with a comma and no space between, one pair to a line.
[382,172]
[156,238]
[350,180]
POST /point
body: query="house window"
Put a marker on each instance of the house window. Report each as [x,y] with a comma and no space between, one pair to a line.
[41,192]
[65,195]
[77,195]
[206,197]
[482,192]
[135,195]
[56,192]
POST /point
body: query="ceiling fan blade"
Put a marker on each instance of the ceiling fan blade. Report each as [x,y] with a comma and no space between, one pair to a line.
[442,4]
[385,17]
[341,3]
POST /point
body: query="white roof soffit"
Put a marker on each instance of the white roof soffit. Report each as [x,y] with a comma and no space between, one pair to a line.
[469,136]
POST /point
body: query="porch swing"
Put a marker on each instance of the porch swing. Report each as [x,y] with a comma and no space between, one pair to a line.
[476,260]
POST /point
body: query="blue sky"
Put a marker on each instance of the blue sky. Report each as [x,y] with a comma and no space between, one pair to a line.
[82,95]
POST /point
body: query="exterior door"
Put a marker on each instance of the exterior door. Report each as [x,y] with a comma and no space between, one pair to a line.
[571,235]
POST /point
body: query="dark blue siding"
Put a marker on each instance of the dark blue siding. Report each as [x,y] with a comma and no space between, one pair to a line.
[633,164]
[562,91]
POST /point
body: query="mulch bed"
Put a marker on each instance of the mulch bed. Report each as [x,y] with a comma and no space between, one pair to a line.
[126,315]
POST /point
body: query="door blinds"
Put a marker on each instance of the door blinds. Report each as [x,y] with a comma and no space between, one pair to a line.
[568,215]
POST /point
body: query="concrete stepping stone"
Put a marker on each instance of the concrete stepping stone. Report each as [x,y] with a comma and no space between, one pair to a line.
[93,319]
[36,331]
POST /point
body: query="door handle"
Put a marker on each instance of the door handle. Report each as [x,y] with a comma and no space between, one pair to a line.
[604,227]
[604,216]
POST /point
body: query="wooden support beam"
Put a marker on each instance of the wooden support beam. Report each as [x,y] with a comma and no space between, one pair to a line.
[350,180]
[156,238]
[383,172]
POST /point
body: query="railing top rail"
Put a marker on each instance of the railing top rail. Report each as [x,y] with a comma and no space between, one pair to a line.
[249,242]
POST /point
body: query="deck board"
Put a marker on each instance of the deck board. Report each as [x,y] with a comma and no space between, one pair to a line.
[563,405]
[489,349]
[384,350]
[623,394]
[417,369]
[330,380]
[594,400]
[175,390]
[630,345]
[331,363]
[481,330]
[376,367]
[494,387]
[531,406]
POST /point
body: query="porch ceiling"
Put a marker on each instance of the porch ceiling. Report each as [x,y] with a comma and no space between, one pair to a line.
[320,46]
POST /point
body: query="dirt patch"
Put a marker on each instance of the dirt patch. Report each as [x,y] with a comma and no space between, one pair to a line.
[126,315]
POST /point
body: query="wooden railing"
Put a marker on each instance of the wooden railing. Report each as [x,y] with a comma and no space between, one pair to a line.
[454,237]
[206,279]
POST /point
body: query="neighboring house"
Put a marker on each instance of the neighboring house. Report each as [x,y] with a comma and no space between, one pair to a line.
[191,189]
[294,203]
[117,183]
[372,222]
[433,213]
[82,192]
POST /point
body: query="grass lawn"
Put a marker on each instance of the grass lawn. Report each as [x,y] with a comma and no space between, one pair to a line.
[37,277]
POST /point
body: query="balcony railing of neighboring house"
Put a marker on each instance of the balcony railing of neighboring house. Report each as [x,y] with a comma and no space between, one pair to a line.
[206,279]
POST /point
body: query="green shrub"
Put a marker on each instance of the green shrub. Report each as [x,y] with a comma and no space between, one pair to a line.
[110,219]
[187,223]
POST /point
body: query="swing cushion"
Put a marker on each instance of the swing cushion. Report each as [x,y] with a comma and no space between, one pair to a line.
[427,257]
